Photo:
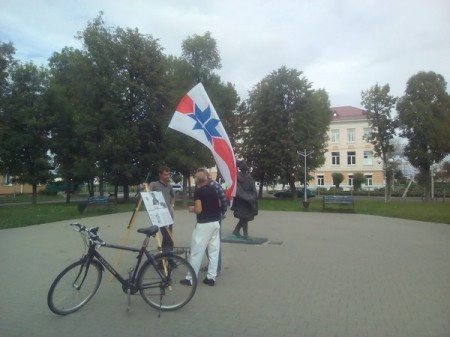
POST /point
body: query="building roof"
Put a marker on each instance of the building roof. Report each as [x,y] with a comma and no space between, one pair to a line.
[345,113]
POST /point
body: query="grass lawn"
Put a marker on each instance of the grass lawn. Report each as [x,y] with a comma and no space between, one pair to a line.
[20,215]
[436,211]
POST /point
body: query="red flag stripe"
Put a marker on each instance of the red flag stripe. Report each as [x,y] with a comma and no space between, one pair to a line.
[223,149]
[186,105]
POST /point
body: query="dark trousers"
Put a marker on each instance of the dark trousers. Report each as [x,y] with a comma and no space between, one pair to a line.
[167,242]
[242,224]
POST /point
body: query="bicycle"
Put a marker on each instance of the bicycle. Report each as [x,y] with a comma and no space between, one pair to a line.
[157,279]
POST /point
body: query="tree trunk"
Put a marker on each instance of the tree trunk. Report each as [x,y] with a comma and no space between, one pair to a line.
[90,185]
[34,195]
[186,188]
[101,185]
[261,186]
[126,192]
[291,182]
[68,190]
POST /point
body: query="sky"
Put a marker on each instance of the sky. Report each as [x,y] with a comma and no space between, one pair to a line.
[342,46]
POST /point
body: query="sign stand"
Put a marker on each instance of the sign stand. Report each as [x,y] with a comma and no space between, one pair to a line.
[129,227]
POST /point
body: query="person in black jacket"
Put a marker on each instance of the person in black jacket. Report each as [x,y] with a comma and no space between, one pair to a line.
[245,203]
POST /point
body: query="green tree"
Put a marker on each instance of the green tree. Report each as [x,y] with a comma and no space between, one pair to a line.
[118,106]
[202,54]
[424,119]
[358,180]
[7,61]
[338,178]
[379,104]
[73,94]
[285,116]
[25,126]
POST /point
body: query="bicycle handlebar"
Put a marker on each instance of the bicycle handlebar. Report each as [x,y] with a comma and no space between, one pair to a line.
[91,233]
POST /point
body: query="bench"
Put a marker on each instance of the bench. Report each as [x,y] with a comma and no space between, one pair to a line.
[338,200]
[93,201]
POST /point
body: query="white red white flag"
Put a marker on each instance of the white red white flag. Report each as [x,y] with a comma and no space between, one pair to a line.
[196,117]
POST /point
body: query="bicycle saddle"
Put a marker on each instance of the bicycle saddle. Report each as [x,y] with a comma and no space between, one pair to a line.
[152,230]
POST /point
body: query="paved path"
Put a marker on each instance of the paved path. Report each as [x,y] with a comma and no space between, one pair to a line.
[322,275]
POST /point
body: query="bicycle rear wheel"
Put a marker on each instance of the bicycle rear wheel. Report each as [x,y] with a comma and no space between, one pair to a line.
[74,287]
[166,293]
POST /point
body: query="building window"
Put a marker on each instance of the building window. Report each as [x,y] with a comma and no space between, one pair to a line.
[367,134]
[320,181]
[350,180]
[7,179]
[335,136]
[369,180]
[351,158]
[351,135]
[368,157]
[335,160]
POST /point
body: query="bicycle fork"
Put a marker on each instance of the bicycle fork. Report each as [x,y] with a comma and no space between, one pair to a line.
[84,267]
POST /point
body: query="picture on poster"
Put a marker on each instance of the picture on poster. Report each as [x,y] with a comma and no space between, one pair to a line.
[157,208]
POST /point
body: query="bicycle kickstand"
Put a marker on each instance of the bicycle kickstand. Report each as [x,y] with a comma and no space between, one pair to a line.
[129,300]
[130,271]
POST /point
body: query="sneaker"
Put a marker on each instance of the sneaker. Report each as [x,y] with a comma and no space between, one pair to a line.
[185,282]
[209,282]
[236,234]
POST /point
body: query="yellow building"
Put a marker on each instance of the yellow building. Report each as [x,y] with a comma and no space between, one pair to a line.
[8,187]
[349,152]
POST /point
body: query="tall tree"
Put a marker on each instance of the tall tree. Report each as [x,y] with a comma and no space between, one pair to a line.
[7,62]
[378,104]
[73,93]
[285,116]
[119,104]
[202,54]
[25,126]
[424,119]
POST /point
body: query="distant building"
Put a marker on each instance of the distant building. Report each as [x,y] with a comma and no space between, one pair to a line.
[348,151]
[8,187]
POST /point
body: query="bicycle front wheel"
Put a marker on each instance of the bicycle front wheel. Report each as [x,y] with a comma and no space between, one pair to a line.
[74,287]
[165,292]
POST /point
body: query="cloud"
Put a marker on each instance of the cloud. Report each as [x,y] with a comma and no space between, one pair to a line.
[342,46]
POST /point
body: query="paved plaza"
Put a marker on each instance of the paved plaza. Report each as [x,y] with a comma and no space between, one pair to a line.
[319,275]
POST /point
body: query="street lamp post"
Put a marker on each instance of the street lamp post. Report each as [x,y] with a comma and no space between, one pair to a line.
[305,199]
[433,169]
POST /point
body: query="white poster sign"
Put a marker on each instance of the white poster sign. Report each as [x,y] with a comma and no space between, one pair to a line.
[157,208]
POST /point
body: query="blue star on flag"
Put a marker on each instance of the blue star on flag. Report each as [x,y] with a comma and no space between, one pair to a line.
[205,122]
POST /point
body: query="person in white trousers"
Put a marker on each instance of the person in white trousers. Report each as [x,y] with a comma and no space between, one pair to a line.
[206,234]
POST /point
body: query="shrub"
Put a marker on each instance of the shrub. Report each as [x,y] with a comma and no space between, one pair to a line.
[48,192]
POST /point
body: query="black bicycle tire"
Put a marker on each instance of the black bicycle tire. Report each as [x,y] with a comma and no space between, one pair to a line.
[54,302]
[185,293]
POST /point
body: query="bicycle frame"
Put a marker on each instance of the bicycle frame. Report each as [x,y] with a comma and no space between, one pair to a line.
[93,253]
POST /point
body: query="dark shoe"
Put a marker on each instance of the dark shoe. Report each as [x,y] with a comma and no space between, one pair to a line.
[236,234]
[185,282]
[209,282]
[172,264]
